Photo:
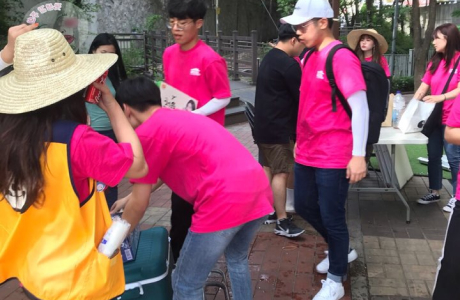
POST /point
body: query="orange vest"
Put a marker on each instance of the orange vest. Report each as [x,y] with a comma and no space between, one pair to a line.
[52,248]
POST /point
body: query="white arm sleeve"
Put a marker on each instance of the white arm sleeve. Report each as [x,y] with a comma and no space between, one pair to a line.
[212,106]
[3,64]
[359,122]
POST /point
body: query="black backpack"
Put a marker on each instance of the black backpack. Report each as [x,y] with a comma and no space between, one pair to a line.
[378,89]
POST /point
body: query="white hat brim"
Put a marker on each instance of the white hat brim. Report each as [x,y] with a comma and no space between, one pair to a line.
[21,96]
[294,20]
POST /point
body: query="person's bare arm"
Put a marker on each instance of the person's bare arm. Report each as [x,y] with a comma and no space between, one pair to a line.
[443,97]
[137,204]
[121,203]
[7,54]
[123,131]
[421,91]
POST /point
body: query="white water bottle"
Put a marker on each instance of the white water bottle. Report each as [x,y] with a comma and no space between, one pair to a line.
[114,236]
[398,106]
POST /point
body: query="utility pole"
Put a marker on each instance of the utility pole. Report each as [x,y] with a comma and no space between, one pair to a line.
[393,40]
[217,17]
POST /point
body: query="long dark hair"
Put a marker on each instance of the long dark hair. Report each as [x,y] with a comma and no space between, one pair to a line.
[117,73]
[25,139]
[376,53]
[452,35]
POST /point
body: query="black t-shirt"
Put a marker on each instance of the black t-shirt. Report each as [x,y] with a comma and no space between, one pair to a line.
[277,98]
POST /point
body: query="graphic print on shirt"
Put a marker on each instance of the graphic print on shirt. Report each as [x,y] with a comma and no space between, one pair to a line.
[320,75]
[16,199]
[195,72]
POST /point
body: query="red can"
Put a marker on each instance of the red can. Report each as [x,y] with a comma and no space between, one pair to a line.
[93,95]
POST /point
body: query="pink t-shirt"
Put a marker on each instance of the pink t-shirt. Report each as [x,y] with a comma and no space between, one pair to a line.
[96,156]
[438,80]
[454,121]
[324,137]
[208,168]
[200,73]
[383,63]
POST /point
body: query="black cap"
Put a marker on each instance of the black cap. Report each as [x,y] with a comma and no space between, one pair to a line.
[285,31]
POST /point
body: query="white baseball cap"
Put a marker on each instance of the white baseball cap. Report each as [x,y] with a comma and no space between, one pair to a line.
[305,10]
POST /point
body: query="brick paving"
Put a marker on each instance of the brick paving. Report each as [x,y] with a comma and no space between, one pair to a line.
[396,260]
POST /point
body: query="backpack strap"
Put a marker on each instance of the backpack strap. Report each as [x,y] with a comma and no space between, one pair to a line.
[336,93]
[307,56]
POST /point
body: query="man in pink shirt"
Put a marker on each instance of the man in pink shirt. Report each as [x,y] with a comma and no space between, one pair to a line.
[209,169]
[197,70]
[330,147]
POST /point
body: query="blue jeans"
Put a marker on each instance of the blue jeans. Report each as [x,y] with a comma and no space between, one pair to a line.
[200,253]
[319,198]
[436,143]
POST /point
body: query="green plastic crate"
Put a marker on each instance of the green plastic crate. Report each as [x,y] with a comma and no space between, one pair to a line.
[149,276]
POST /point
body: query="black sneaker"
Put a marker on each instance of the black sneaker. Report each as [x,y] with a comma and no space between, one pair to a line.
[272,218]
[429,198]
[287,228]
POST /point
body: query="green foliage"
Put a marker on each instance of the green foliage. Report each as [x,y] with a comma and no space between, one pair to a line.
[381,22]
[153,22]
[456,13]
[133,58]
[285,7]
[8,17]
[263,49]
[403,84]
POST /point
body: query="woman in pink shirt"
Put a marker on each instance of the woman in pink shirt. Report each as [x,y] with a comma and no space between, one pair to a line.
[369,45]
[49,161]
[446,41]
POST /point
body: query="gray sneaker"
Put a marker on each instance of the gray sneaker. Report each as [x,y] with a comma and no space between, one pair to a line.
[272,218]
[287,228]
[429,198]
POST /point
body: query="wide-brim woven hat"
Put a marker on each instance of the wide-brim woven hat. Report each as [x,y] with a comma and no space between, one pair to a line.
[354,36]
[46,70]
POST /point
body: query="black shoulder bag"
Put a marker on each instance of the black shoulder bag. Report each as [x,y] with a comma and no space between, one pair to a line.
[435,119]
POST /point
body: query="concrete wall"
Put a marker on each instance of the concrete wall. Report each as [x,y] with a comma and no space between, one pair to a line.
[123,16]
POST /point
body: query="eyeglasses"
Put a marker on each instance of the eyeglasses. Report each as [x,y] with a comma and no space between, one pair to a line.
[180,25]
[303,27]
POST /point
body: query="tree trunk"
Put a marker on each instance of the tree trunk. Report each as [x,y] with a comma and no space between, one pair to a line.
[421,46]
[370,10]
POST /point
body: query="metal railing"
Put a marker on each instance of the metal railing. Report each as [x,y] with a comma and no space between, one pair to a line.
[144,51]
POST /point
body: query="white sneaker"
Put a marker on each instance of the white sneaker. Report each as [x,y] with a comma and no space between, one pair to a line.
[331,290]
[323,266]
[450,206]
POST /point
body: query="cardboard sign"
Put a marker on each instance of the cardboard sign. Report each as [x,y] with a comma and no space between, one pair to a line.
[387,122]
[175,99]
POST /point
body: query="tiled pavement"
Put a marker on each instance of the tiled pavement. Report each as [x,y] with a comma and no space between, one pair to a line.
[396,260]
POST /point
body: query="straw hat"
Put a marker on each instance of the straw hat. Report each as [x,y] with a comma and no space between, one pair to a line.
[46,70]
[354,36]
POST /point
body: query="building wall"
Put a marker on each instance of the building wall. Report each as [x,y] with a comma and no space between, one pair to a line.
[126,16]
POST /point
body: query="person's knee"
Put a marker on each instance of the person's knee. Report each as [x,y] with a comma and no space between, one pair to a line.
[335,224]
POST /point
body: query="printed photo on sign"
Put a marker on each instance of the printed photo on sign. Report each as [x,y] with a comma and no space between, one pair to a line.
[175,99]
[66,17]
